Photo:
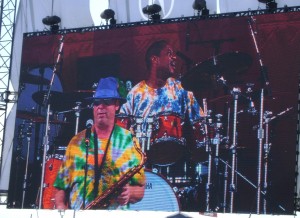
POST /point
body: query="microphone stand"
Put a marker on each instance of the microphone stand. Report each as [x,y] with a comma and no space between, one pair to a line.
[209,151]
[263,69]
[46,103]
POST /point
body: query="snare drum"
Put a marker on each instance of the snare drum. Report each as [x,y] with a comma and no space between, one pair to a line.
[159,195]
[52,166]
[168,143]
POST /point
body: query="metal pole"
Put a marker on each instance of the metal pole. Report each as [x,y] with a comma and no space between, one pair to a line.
[260,136]
[45,147]
[235,92]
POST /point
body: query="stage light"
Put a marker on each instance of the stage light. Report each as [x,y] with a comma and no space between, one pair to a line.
[271,5]
[53,22]
[153,11]
[108,15]
[200,6]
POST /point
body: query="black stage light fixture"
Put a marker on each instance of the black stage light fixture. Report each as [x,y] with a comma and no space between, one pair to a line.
[53,22]
[271,5]
[153,11]
[108,15]
[200,6]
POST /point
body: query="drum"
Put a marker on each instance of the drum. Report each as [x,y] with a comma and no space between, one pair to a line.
[198,149]
[124,121]
[168,143]
[52,165]
[159,195]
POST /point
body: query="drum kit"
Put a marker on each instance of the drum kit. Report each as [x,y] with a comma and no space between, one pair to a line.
[169,141]
[167,138]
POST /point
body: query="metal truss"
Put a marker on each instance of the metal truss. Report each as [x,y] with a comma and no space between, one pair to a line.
[166,21]
[7,13]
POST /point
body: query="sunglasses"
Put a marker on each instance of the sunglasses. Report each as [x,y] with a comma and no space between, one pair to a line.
[106,102]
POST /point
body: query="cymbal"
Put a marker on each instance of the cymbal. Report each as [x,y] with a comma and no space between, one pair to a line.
[27,115]
[35,118]
[60,101]
[204,75]
[33,79]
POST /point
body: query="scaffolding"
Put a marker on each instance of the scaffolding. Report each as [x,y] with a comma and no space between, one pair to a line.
[7,24]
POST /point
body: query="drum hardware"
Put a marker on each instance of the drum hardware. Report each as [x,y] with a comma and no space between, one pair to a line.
[251,108]
[267,147]
[267,117]
[217,141]
[204,75]
[250,183]
[159,195]
[28,136]
[62,101]
[53,162]
[139,133]
[235,92]
[167,144]
[224,206]
[260,137]
[33,117]
[149,121]
[260,132]
[273,117]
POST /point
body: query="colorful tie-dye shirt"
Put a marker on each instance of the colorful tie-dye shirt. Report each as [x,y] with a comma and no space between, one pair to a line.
[121,157]
[144,101]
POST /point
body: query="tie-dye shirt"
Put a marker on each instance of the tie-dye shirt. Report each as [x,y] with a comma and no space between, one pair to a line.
[121,157]
[144,101]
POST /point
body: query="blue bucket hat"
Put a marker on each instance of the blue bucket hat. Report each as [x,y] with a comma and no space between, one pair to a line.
[107,89]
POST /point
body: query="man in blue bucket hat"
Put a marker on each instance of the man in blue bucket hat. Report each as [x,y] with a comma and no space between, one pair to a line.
[101,158]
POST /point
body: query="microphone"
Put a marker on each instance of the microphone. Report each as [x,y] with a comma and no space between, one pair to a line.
[89,124]
[185,58]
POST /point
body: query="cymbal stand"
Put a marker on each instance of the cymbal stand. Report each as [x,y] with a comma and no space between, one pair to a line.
[216,142]
[28,136]
[260,136]
[250,183]
[235,92]
[209,151]
[46,102]
[139,133]
[267,147]
[225,187]
[226,141]
[150,121]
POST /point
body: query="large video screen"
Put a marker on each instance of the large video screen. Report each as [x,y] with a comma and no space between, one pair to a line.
[227,145]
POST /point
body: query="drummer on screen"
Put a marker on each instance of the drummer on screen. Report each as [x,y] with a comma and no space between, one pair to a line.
[161,92]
